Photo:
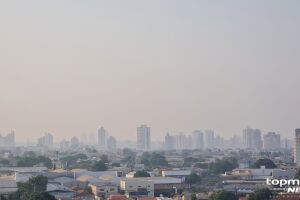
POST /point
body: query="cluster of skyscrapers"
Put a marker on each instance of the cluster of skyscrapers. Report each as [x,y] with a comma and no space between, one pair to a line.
[251,139]
[106,142]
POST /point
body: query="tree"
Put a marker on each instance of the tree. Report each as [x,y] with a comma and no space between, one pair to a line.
[116,164]
[29,160]
[222,195]
[193,178]
[193,196]
[141,174]
[128,157]
[260,194]
[104,158]
[269,164]
[41,196]
[34,189]
[153,160]
[221,166]
[99,166]
[297,175]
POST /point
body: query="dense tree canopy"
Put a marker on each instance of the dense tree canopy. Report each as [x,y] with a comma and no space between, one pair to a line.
[260,194]
[32,160]
[193,178]
[141,174]
[99,166]
[269,164]
[222,195]
[34,189]
[221,166]
[153,160]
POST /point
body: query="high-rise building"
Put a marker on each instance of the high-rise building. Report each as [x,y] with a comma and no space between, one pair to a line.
[74,142]
[252,139]
[197,140]
[271,141]
[209,139]
[143,138]
[7,141]
[102,138]
[169,142]
[46,140]
[219,142]
[111,143]
[297,147]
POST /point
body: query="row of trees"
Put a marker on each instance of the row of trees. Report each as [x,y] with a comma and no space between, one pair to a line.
[34,189]
[259,194]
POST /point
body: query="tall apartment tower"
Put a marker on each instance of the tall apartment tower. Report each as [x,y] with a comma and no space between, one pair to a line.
[271,141]
[111,143]
[297,147]
[209,139]
[252,139]
[102,137]
[143,138]
[169,142]
[197,140]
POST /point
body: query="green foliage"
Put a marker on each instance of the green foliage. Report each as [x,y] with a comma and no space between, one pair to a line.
[153,160]
[30,160]
[260,194]
[221,166]
[189,161]
[104,158]
[34,189]
[116,164]
[297,175]
[193,196]
[222,195]
[128,158]
[193,178]
[141,174]
[269,164]
[99,166]
[71,160]
[41,196]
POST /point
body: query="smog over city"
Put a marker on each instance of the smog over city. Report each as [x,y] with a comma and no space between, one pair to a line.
[200,99]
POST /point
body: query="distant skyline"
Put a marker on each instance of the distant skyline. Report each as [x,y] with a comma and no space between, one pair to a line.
[69,67]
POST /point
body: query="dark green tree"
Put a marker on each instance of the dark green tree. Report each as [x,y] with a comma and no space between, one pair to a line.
[269,164]
[141,174]
[193,196]
[34,189]
[260,194]
[193,178]
[222,195]
[297,175]
[99,166]
[221,166]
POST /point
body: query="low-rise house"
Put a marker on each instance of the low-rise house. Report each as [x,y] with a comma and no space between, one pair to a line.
[103,190]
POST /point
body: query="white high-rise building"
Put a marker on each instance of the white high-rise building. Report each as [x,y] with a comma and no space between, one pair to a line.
[8,140]
[143,138]
[252,139]
[46,140]
[111,143]
[169,142]
[102,138]
[271,141]
[197,140]
[209,139]
[297,147]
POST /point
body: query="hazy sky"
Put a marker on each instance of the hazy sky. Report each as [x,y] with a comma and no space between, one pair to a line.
[69,67]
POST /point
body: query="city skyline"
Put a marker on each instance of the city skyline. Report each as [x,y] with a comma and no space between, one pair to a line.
[173,65]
